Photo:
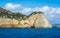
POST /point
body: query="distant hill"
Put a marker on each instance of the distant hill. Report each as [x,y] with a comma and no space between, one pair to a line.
[13,15]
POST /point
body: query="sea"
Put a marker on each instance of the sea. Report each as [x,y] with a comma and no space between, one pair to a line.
[30,32]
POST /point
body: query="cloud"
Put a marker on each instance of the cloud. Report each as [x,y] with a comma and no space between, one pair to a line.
[26,10]
[57,11]
[44,9]
[11,6]
[51,13]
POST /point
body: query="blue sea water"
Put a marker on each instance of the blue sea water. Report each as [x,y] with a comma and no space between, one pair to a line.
[29,33]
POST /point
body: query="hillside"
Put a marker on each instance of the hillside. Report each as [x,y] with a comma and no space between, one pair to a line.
[13,15]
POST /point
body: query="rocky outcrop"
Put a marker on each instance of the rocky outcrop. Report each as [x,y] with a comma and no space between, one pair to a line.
[42,22]
[6,22]
[36,20]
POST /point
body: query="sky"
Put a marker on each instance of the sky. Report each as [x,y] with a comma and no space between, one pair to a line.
[50,8]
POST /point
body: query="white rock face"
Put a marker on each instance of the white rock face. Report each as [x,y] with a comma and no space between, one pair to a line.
[42,22]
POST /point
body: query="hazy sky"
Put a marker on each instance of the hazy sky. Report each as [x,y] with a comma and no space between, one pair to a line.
[50,8]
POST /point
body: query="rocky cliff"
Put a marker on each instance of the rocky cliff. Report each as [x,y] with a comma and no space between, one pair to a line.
[7,22]
[36,19]
[42,22]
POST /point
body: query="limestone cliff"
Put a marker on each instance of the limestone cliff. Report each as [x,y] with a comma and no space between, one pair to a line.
[42,22]
[6,22]
[36,19]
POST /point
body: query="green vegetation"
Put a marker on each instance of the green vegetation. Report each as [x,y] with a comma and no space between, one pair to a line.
[16,15]
[34,13]
[13,15]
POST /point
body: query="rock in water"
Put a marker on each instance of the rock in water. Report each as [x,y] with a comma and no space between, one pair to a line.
[42,22]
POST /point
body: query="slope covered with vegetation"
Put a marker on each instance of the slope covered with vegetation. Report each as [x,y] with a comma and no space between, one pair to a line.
[13,15]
